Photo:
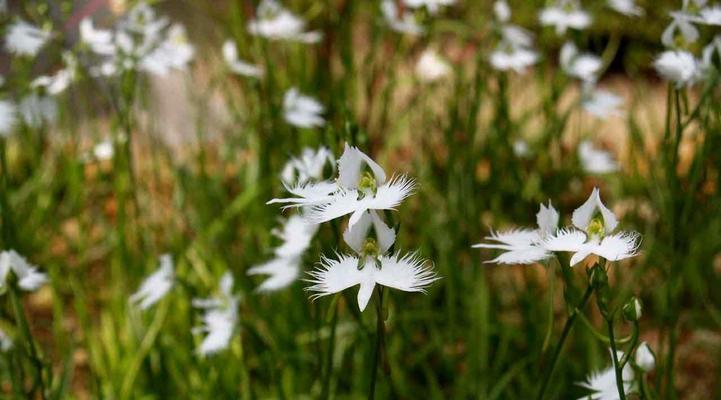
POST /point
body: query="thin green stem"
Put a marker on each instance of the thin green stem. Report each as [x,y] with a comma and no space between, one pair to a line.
[380,328]
[325,394]
[28,337]
[616,366]
[559,346]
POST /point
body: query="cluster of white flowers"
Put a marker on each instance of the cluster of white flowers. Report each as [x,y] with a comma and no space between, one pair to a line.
[564,14]
[273,21]
[157,285]
[302,111]
[28,277]
[139,41]
[515,49]
[401,21]
[361,190]
[590,234]
[219,318]
[677,63]
[297,232]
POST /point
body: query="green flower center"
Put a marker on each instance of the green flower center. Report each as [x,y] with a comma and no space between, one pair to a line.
[367,183]
[369,250]
[596,229]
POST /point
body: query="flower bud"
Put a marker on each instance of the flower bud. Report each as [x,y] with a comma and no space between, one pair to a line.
[645,358]
[632,309]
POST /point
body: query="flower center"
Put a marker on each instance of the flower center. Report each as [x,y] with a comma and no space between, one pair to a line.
[367,183]
[369,250]
[596,229]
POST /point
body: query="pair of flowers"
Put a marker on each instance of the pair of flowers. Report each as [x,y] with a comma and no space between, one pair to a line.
[593,233]
[362,190]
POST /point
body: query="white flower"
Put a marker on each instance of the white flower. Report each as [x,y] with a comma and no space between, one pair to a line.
[431,67]
[584,66]
[8,118]
[521,148]
[236,65]
[308,167]
[601,103]
[104,150]
[275,22]
[626,7]
[502,11]
[680,23]
[678,66]
[714,46]
[371,265]
[645,358]
[514,52]
[142,19]
[25,39]
[524,246]
[155,286]
[220,318]
[594,235]
[602,384]
[297,234]
[301,110]
[595,161]
[37,110]
[27,274]
[6,342]
[100,41]
[405,23]
[355,191]
[175,52]
[565,14]
[432,5]
[709,16]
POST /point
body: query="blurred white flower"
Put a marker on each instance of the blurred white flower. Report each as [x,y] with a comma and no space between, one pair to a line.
[564,14]
[302,111]
[104,150]
[678,66]
[432,5]
[371,265]
[584,66]
[709,16]
[713,47]
[601,103]
[308,167]
[174,52]
[356,190]
[645,358]
[594,235]
[680,32]
[236,65]
[6,342]
[8,117]
[626,7]
[602,384]
[595,161]
[297,234]
[431,67]
[37,110]
[514,52]
[100,41]
[521,148]
[502,11]
[405,23]
[29,278]
[524,246]
[219,318]
[141,19]
[25,39]
[56,83]
[275,22]
[155,286]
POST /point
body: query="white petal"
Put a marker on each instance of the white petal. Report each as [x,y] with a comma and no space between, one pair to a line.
[357,235]
[283,272]
[386,235]
[584,252]
[408,273]
[547,219]
[566,240]
[365,291]
[350,168]
[308,193]
[619,246]
[333,276]
[582,215]
[392,193]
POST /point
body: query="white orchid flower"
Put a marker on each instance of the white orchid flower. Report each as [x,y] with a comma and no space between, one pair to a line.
[679,67]
[24,39]
[8,117]
[308,167]
[28,277]
[155,286]
[401,23]
[601,103]
[100,41]
[626,7]
[238,66]
[219,319]
[431,5]
[36,110]
[275,22]
[709,16]
[431,67]
[514,52]
[372,264]
[584,66]
[59,81]
[594,235]
[355,191]
[565,14]
[524,246]
[595,161]
[174,52]
[602,384]
[714,46]
[301,110]
[680,32]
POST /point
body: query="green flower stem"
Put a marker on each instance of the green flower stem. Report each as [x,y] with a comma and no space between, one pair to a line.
[614,356]
[559,346]
[380,332]
[600,336]
[632,348]
[325,394]
[28,338]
